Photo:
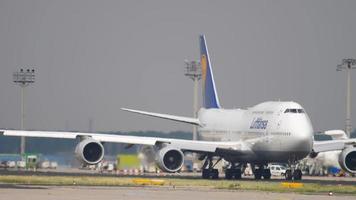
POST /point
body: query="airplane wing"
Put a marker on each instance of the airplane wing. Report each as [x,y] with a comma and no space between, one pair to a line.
[188,120]
[185,145]
[332,145]
[336,134]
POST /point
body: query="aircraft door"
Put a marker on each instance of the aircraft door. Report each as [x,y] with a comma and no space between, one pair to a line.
[278,128]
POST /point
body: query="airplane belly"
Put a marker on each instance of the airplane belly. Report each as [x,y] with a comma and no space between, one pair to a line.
[282,149]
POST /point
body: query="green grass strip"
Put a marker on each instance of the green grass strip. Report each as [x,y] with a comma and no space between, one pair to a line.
[270,186]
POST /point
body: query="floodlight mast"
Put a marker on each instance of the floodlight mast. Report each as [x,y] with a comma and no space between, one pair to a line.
[23,78]
[193,71]
[348,65]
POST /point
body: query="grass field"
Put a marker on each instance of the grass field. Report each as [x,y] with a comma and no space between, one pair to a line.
[271,186]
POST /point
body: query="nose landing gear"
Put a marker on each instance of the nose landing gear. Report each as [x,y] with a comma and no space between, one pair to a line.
[292,173]
[262,172]
[295,174]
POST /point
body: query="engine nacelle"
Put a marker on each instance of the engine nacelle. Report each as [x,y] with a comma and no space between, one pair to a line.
[89,151]
[347,160]
[170,159]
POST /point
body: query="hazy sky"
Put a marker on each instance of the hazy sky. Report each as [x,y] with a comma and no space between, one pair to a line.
[93,57]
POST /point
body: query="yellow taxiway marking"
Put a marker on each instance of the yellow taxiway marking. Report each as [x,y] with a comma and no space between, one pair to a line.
[292,185]
[143,181]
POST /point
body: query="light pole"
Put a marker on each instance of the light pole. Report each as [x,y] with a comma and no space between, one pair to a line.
[347,64]
[193,71]
[23,78]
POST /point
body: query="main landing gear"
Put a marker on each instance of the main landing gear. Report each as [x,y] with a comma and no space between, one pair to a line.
[233,172]
[210,172]
[261,171]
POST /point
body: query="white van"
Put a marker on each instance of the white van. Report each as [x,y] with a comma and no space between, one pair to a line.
[277,170]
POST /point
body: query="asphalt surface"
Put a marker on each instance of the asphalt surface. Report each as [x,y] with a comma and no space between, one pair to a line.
[13,191]
[147,193]
[327,180]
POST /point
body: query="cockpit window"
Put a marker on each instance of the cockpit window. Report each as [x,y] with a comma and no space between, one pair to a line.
[300,111]
[292,110]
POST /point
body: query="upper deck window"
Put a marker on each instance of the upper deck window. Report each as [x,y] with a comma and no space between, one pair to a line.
[292,110]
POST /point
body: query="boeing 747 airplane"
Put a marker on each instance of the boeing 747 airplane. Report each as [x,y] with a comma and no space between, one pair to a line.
[274,131]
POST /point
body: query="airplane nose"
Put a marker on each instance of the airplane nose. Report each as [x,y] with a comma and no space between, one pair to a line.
[303,132]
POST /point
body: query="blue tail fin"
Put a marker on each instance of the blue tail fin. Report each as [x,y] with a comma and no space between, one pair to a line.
[210,96]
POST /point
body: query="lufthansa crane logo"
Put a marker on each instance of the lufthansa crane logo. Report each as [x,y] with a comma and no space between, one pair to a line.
[203,67]
[259,123]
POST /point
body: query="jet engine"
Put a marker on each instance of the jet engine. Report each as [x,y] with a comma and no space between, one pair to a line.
[170,159]
[89,151]
[347,160]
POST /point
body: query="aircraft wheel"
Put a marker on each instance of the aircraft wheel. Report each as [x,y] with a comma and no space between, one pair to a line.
[210,173]
[214,174]
[266,174]
[297,175]
[237,173]
[289,174]
[228,174]
[205,173]
[258,174]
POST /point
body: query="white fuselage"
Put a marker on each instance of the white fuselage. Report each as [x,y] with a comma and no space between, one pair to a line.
[280,135]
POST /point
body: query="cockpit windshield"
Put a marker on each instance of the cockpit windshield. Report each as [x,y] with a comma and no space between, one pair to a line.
[293,110]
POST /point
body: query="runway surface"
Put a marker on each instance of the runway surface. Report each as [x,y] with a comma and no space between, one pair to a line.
[147,193]
[45,192]
[323,180]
